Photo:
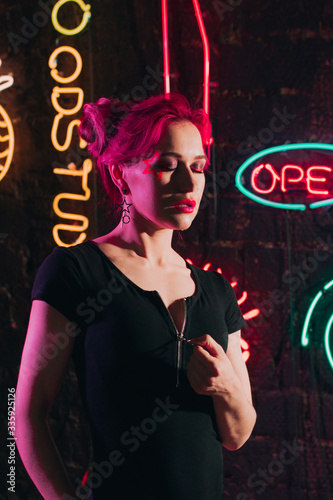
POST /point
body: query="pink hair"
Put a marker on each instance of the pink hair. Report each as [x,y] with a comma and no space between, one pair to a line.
[119,133]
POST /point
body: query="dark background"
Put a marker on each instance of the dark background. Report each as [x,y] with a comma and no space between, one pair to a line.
[265,55]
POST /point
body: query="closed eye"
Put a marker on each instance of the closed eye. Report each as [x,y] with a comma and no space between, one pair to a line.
[198,167]
[169,167]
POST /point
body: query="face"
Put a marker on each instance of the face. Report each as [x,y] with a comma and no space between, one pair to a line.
[166,189]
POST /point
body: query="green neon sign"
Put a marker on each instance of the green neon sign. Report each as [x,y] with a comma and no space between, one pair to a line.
[307,322]
[281,149]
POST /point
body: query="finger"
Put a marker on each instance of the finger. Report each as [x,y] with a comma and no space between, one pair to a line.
[200,367]
[210,363]
[195,380]
[202,354]
[208,343]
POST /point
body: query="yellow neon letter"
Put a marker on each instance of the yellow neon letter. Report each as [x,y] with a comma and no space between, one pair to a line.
[72,90]
[82,25]
[86,168]
[69,134]
[53,64]
[61,112]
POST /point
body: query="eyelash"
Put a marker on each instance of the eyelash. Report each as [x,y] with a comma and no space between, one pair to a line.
[164,167]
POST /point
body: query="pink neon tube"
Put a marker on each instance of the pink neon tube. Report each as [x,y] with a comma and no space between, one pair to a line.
[206,54]
[165,47]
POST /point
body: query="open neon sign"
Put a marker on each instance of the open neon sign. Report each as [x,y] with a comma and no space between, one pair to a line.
[290,176]
[279,180]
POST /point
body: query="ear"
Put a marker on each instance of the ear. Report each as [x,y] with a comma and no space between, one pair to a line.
[116,172]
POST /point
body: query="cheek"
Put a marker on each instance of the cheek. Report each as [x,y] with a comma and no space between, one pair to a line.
[146,192]
[202,184]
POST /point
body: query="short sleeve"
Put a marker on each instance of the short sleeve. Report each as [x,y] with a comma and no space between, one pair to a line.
[233,315]
[59,283]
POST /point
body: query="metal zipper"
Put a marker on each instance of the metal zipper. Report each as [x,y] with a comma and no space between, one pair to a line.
[180,338]
[179,335]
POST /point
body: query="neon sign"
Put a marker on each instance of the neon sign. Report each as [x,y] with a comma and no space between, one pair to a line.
[86,168]
[81,223]
[85,18]
[328,328]
[53,62]
[205,44]
[286,181]
[56,93]
[7,140]
[248,315]
[165,47]
[6,81]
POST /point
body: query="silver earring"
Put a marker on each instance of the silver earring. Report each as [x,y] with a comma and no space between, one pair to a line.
[125,217]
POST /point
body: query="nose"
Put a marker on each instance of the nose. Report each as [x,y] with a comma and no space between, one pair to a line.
[186,179]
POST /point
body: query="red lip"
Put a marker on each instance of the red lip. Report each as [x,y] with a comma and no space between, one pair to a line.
[187,203]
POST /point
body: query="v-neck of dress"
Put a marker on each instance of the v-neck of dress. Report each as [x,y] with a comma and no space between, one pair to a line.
[154,292]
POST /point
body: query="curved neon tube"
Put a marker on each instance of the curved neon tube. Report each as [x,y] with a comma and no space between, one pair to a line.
[57,91]
[327,344]
[278,149]
[53,64]
[198,13]
[305,337]
[86,168]
[323,203]
[6,124]
[165,47]
[251,314]
[85,18]
[242,299]
[257,171]
[205,43]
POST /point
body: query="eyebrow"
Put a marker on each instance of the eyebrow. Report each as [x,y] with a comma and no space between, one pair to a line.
[176,155]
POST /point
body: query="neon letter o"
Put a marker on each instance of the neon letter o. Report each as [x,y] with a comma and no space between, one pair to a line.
[53,64]
[82,25]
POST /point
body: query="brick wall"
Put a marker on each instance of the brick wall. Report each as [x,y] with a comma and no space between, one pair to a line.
[266,58]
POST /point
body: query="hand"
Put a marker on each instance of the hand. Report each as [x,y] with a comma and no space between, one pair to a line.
[210,371]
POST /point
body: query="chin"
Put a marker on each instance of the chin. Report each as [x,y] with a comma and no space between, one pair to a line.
[183,225]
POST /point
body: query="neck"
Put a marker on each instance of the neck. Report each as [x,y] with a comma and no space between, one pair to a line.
[152,244]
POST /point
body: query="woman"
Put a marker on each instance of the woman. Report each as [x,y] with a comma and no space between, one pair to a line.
[155,340]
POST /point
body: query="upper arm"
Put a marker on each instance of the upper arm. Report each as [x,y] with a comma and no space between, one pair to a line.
[45,359]
[235,356]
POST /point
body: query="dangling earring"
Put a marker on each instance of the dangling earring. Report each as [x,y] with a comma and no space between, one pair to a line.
[125,218]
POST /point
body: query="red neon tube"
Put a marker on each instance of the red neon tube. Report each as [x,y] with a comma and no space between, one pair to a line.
[205,43]
[206,54]
[165,47]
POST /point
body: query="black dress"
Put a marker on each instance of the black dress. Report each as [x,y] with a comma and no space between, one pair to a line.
[153,438]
